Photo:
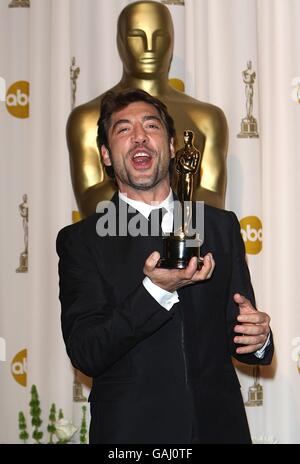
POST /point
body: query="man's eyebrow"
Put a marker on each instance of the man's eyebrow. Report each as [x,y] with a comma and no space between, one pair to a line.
[151,117]
[145,118]
[119,121]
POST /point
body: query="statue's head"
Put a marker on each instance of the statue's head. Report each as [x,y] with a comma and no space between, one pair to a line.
[145,39]
[188,136]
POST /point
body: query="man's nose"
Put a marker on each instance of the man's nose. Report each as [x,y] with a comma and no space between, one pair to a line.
[139,134]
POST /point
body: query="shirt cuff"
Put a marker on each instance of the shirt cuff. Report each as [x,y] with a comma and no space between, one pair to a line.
[260,353]
[164,298]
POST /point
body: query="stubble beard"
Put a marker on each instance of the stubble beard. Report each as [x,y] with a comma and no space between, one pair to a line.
[123,175]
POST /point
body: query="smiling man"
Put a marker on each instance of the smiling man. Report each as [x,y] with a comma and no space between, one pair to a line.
[157,342]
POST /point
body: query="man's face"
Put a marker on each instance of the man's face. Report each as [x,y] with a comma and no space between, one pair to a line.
[145,39]
[139,148]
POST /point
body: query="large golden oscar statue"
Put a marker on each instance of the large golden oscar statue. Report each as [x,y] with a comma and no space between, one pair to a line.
[145,41]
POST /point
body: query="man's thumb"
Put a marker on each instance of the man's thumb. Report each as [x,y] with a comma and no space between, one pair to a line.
[151,261]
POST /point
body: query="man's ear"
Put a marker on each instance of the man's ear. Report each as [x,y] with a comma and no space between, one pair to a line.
[172,149]
[105,155]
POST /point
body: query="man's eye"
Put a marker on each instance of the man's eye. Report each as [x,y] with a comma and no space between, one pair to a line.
[152,125]
[122,129]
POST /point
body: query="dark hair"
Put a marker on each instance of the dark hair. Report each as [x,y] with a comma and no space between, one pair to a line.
[113,102]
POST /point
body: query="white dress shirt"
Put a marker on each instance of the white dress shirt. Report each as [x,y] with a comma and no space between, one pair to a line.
[163,297]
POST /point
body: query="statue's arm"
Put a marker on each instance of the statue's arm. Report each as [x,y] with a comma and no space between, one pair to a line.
[186,165]
[195,162]
[89,179]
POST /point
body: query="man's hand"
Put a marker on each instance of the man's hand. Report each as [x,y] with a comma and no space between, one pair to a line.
[172,279]
[254,326]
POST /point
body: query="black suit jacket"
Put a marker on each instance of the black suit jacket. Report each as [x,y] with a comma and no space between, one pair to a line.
[158,376]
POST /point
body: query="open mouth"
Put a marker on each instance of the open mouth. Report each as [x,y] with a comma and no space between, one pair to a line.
[141,160]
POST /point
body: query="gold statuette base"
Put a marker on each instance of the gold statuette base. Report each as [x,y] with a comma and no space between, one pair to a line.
[255,395]
[23,263]
[19,3]
[248,129]
[177,252]
[78,396]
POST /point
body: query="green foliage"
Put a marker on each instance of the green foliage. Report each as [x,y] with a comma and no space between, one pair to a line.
[51,426]
[23,428]
[35,412]
[60,414]
[83,428]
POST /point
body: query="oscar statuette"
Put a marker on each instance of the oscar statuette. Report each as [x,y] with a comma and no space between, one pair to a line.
[249,123]
[255,391]
[23,210]
[185,240]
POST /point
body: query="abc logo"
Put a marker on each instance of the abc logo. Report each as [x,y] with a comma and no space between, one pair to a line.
[251,230]
[19,367]
[17,99]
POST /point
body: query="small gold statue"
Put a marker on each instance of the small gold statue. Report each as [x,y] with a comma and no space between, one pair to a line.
[78,396]
[255,392]
[249,123]
[23,208]
[184,243]
[187,163]
[74,73]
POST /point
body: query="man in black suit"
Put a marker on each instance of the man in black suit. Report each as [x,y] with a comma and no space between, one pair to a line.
[157,342]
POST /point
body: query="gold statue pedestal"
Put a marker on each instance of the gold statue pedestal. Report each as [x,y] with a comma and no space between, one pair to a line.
[248,128]
[21,4]
[78,396]
[255,391]
[255,395]
[23,263]
[178,250]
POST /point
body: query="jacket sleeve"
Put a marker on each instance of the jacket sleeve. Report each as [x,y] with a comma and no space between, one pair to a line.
[241,283]
[98,331]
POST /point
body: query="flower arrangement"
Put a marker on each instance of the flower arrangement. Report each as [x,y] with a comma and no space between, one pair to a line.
[60,430]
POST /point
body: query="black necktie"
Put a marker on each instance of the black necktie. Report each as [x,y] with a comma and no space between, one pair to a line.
[154,222]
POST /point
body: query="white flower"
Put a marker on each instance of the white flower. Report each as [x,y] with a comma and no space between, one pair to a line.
[295,95]
[64,430]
